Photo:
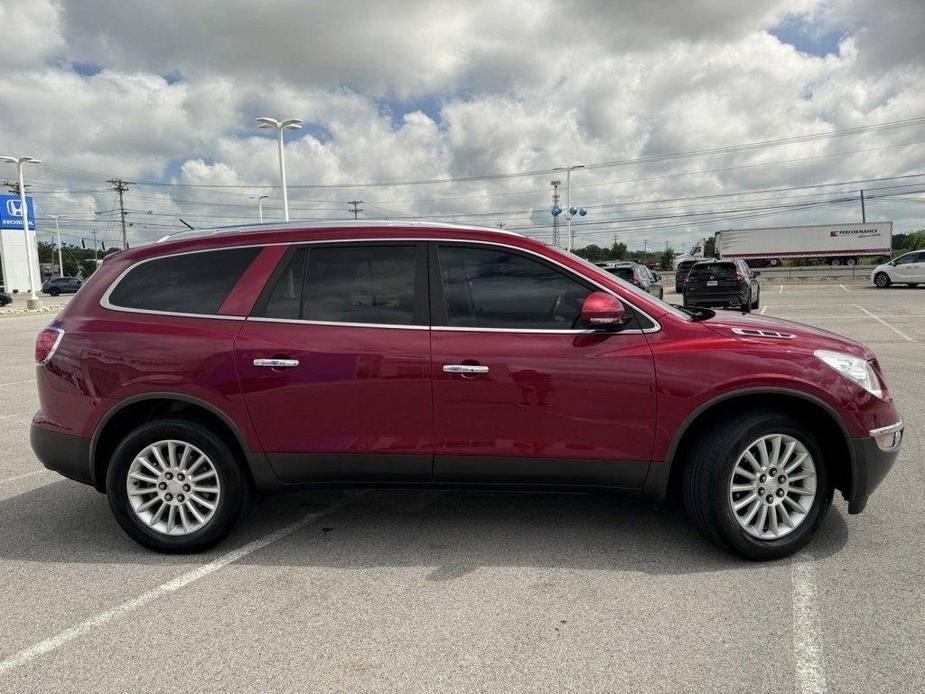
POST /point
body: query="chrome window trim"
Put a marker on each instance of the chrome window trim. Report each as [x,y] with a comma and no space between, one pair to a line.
[397,326]
[105,303]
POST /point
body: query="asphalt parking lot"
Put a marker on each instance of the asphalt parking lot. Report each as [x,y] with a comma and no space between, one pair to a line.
[444,591]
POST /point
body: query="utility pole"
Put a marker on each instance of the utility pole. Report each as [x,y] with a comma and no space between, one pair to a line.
[120,187]
[555,218]
[863,212]
[500,225]
[356,210]
[95,246]
[14,187]
[58,235]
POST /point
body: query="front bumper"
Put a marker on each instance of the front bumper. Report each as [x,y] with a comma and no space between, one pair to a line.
[65,454]
[870,463]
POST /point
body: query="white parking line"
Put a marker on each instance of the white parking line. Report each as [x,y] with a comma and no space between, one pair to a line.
[763,309]
[780,289]
[884,323]
[17,383]
[845,288]
[21,414]
[81,628]
[22,477]
[807,640]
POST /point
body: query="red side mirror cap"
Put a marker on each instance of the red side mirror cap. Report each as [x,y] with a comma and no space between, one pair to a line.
[601,309]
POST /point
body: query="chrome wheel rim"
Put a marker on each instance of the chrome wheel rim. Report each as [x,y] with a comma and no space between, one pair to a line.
[772,486]
[173,487]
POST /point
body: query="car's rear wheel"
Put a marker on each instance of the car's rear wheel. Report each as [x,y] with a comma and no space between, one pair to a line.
[756,303]
[882,280]
[175,487]
[54,291]
[758,485]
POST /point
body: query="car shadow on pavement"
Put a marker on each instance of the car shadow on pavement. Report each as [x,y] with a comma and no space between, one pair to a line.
[452,533]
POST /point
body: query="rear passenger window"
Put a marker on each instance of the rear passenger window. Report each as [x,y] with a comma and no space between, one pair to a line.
[347,284]
[188,283]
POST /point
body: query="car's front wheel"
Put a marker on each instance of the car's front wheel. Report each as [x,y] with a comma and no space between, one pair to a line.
[54,291]
[882,280]
[175,487]
[758,485]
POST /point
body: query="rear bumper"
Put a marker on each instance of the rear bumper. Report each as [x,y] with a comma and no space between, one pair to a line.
[65,454]
[870,463]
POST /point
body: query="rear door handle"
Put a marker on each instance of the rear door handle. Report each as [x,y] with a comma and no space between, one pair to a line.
[464,369]
[277,363]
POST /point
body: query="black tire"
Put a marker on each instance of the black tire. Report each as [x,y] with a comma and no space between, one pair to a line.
[882,280]
[54,291]
[757,302]
[232,503]
[708,471]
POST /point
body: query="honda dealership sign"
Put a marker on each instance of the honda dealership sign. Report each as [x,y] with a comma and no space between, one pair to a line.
[13,243]
[11,212]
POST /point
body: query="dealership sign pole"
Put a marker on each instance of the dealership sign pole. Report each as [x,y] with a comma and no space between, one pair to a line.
[33,301]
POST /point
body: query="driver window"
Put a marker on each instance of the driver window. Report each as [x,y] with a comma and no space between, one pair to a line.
[488,288]
[910,258]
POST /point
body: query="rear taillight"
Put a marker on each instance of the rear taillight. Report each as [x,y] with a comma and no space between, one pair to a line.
[46,343]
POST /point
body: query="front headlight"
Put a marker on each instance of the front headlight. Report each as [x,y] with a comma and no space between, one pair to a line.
[855,368]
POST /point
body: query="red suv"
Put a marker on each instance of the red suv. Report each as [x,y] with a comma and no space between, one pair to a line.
[188,374]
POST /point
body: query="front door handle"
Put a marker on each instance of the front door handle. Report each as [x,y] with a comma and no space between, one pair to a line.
[277,363]
[464,369]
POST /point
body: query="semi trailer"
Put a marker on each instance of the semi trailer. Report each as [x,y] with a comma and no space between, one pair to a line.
[834,244]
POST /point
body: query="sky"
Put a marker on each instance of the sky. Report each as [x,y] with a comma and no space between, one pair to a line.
[689,117]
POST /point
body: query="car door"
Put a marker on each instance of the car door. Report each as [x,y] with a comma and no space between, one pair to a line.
[334,364]
[917,267]
[905,268]
[522,391]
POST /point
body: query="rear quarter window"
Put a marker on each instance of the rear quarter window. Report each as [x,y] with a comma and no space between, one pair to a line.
[196,283]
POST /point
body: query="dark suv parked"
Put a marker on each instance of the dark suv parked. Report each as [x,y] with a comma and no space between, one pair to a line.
[61,285]
[680,273]
[190,373]
[722,283]
[638,275]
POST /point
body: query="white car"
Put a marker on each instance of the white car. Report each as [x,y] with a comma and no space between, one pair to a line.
[908,268]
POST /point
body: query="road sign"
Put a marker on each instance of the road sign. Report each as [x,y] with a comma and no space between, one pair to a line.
[11,212]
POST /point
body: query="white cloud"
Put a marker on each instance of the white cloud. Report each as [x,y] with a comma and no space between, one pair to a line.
[407,91]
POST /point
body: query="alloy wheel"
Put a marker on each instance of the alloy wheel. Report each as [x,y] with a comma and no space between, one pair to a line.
[772,486]
[173,487]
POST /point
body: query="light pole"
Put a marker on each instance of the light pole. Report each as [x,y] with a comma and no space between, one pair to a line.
[569,210]
[260,199]
[58,239]
[33,301]
[280,125]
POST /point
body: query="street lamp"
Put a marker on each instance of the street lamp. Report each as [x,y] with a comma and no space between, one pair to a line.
[33,301]
[570,211]
[58,235]
[280,125]
[260,199]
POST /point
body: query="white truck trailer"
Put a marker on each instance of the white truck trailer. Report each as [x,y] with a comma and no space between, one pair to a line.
[835,244]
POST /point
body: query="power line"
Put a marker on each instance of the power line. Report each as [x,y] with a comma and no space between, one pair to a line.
[751,146]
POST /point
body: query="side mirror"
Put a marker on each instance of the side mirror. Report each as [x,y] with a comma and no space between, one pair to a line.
[603,310]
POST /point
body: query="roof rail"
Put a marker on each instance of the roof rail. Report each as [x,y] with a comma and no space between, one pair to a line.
[298,226]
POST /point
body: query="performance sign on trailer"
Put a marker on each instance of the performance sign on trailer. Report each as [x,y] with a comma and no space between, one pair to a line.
[816,241]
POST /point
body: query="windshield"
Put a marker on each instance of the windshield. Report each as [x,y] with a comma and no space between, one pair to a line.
[633,289]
